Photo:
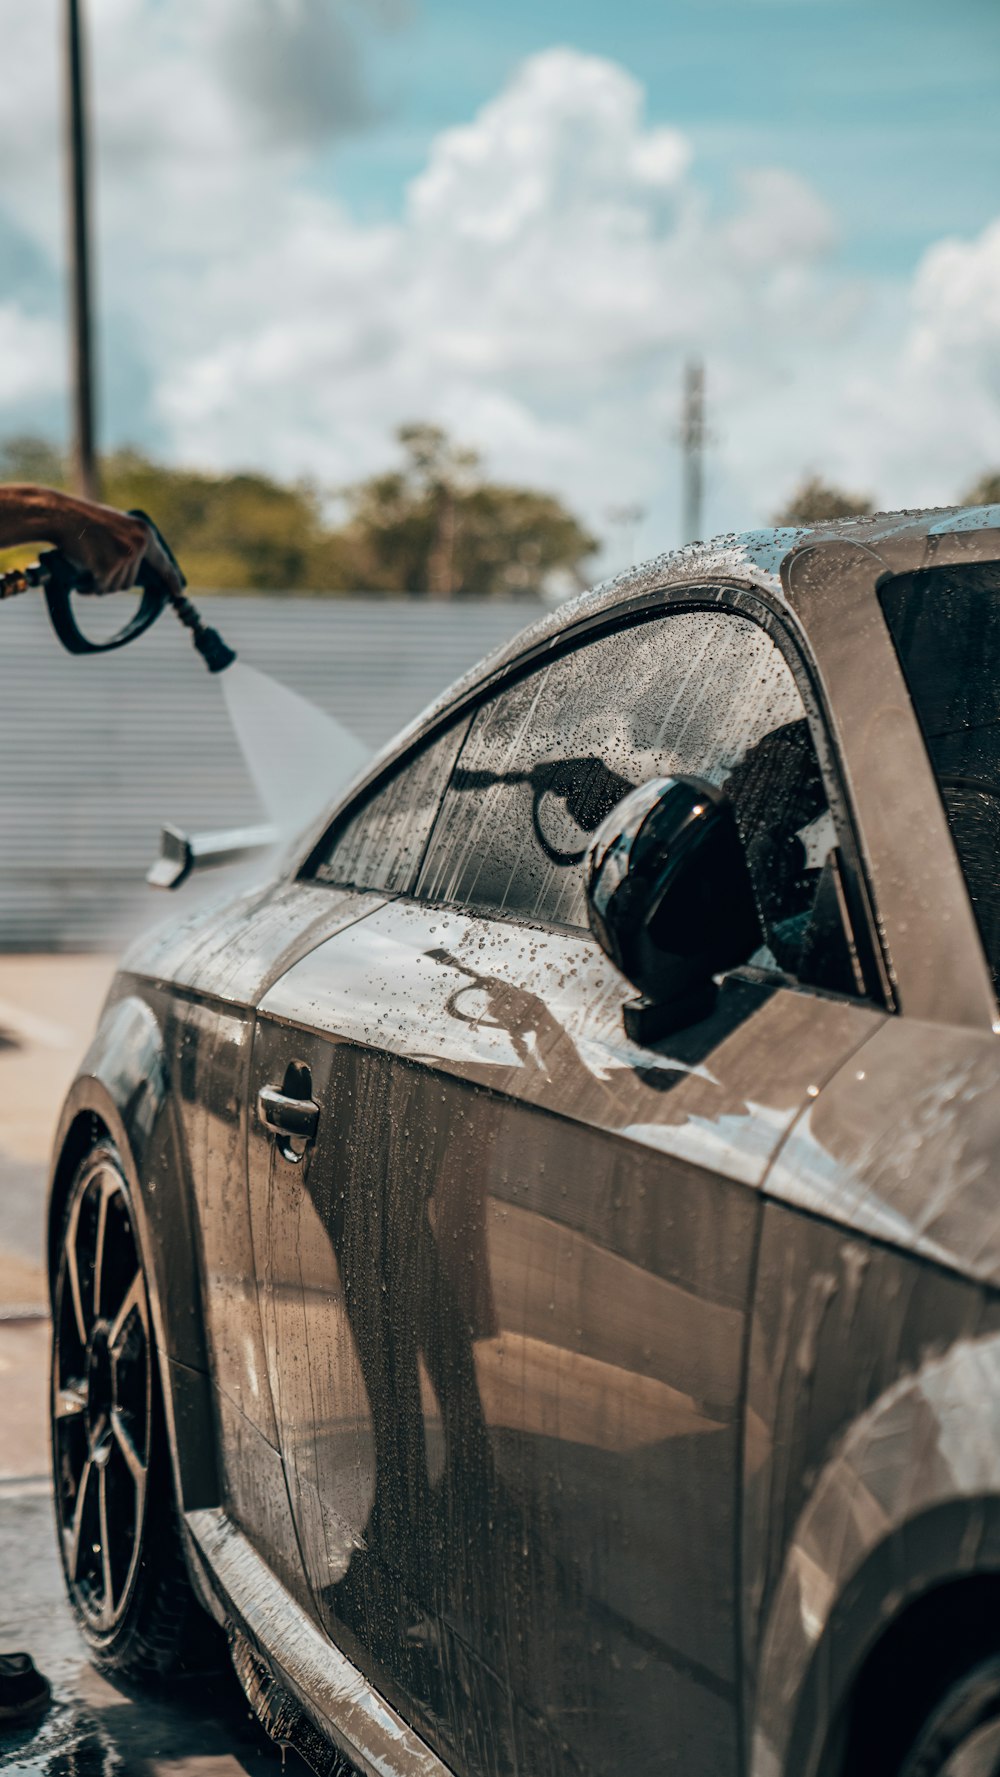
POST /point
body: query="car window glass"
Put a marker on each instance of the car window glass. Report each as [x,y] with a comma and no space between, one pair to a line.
[696,692]
[380,845]
[945,623]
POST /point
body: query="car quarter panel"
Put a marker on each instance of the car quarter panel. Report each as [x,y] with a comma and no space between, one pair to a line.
[561,1226]
[880,1251]
[902,1145]
[895,1451]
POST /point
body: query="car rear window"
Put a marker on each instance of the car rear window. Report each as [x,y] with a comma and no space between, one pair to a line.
[945,624]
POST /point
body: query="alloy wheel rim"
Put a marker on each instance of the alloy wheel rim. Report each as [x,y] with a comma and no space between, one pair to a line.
[101,1397]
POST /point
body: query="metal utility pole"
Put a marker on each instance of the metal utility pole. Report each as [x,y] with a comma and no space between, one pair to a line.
[628,517]
[77,146]
[692,436]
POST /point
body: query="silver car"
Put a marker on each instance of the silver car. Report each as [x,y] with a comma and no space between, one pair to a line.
[530,1273]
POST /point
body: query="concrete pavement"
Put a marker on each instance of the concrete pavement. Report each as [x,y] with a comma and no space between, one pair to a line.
[48,1009]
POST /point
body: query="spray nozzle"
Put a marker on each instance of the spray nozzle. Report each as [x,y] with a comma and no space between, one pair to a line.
[216,653]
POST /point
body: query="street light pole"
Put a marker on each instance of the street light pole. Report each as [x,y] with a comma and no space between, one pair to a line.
[692,435]
[77,144]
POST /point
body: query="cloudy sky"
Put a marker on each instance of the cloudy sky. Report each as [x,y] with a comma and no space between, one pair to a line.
[320,218]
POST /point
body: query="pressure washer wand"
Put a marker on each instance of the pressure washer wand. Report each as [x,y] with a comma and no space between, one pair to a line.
[57,577]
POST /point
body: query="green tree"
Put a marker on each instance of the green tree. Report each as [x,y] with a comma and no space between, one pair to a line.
[510,539]
[235,532]
[815,501]
[985,491]
[433,527]
[243,532]
[26,458]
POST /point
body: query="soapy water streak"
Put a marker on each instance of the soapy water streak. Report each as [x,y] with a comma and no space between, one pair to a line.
[298,757]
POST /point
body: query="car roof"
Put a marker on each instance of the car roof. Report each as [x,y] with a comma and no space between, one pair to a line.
[896,542]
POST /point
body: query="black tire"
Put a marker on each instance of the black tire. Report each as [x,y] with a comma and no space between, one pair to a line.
[961,1736]
[116,1515]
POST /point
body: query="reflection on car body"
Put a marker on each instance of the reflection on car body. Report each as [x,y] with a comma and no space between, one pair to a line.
[569,1403]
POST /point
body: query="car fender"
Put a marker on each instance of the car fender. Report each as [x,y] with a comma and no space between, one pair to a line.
[910,1500]
[124,1082]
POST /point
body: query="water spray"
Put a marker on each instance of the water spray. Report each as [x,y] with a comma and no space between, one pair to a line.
[55,575]
[298,757]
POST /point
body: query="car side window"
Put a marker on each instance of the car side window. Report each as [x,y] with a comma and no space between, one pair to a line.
[379,844]
[945,624]
[706,693]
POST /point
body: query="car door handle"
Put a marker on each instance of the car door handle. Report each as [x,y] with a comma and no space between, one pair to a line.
[289,1119]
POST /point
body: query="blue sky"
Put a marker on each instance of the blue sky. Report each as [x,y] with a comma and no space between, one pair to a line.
[888,107]
[319,219]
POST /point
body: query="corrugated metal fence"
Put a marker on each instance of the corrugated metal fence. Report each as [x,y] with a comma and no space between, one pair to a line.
[96,753]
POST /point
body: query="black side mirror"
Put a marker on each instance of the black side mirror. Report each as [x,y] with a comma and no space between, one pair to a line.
[670,900]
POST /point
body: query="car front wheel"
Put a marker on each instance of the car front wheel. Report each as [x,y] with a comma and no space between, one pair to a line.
[119,1533]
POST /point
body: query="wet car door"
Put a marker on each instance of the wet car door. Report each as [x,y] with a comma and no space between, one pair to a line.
[518,1256]
[217,964]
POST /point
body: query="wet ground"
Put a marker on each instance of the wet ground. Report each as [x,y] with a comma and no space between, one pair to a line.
[95,1729]
[201,1728]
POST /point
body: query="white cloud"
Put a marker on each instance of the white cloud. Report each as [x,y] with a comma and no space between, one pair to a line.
[555,261]
[918,415]
[956,303]
[31,356]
